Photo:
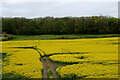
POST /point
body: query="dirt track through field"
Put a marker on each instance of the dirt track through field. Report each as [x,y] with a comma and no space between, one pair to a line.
[52,67]
[47,64]
[45,68]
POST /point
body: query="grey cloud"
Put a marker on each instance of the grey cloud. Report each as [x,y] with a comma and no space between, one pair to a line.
[60,9]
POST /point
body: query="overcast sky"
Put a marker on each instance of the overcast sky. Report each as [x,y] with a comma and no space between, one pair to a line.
[59,8]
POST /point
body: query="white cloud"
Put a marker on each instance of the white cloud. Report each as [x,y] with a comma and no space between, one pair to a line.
[60,9]
[60,1]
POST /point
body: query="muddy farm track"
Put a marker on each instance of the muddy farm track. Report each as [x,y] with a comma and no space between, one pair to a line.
[47,64]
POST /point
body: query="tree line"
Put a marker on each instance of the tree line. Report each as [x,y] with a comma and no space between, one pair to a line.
[65,25]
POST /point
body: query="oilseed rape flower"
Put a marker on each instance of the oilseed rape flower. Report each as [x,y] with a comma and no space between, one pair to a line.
[88,58]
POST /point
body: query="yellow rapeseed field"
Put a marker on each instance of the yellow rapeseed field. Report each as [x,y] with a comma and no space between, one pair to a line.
[87,70]
[93,58]
[101,45]
[21,63]
[86,57]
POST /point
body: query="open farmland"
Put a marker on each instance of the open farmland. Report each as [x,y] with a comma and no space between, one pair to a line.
[68,58]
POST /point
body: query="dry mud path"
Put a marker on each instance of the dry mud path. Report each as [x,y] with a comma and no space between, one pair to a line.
[47,64]
[45,68]
[52,67]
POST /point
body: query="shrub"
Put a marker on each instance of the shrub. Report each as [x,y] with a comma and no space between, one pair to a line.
[7,37]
